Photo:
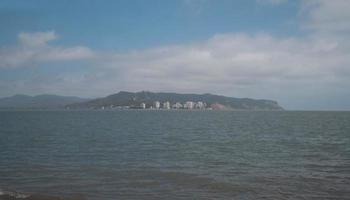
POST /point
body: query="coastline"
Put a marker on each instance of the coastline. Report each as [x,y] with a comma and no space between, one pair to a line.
[20,196]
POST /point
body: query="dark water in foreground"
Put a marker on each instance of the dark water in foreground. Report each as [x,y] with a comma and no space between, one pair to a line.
[105,155]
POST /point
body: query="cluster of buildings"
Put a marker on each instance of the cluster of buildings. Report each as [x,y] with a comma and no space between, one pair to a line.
[157,105]
[167,105]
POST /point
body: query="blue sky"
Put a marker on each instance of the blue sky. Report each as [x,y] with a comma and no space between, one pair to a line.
[110,24]
[292,51]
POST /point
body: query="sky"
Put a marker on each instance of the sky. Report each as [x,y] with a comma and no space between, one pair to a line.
[296,52]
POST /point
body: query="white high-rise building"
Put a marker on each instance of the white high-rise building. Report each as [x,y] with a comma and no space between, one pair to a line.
[156,104]
[143,106]
[166,105]
[177,105]
[189,105]
[200,105]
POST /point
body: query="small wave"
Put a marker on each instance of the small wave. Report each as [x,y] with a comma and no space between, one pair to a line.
[12,195]
[9,195]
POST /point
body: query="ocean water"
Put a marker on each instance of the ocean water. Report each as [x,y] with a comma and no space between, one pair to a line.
[108,155]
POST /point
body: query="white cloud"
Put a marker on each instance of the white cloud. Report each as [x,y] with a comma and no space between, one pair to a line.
[33,48]
[326,15]
[231,62]
[36,39]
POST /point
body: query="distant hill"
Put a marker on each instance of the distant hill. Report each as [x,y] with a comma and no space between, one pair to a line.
[44,101]
[135,99]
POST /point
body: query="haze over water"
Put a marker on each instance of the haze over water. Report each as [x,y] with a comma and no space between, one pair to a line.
[105,155]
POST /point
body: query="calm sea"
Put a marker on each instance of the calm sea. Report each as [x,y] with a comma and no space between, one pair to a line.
[107,155]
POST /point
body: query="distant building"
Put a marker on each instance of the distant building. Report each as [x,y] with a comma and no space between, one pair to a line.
[200,105]
[143,106]
[166,105]
[177,105]
[156,104]
[189,105]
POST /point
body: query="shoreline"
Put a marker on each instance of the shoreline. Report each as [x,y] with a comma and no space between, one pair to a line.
[19,196]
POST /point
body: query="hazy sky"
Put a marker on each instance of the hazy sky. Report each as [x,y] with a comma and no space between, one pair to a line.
[295,52]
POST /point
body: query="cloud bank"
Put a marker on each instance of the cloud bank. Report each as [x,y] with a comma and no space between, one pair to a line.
[33,48]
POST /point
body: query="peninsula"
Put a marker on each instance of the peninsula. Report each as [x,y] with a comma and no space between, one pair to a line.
[167,101]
